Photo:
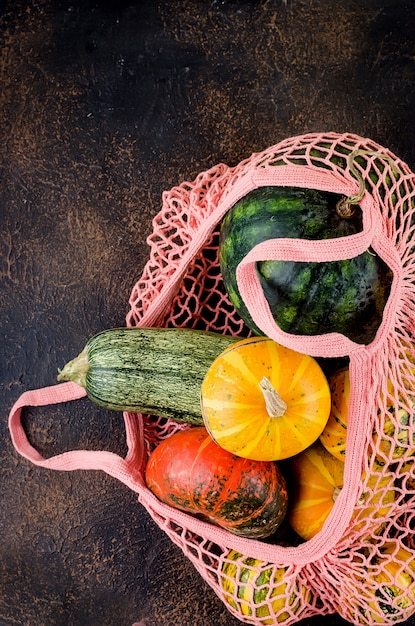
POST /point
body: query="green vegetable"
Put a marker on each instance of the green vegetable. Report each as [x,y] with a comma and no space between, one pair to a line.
[157,371]
[346,296]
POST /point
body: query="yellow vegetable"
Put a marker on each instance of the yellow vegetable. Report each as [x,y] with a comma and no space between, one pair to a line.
[261,590]
[316,479]
[390,580]
[263,401]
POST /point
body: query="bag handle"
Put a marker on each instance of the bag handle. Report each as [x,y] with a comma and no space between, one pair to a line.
[128,470]
[330,344]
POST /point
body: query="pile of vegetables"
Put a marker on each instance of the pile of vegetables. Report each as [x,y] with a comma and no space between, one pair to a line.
[267,427]
[249,404]
[265,437]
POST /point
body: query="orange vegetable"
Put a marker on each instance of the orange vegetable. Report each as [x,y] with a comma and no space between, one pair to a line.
[190,472]
[333,436]
[395,439]
[316,479]
[263,401]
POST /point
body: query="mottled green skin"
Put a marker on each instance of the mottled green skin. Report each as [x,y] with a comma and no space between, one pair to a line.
[305,298]
[156,371]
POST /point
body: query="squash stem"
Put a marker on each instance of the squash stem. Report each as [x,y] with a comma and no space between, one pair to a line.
[346,207]
[76,370]
[275,405]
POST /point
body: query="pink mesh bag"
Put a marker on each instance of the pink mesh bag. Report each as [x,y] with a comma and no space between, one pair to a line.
[362,563]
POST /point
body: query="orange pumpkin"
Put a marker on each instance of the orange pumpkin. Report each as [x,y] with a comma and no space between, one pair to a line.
[263,401]
[190,472]
[392,443]
[316,478]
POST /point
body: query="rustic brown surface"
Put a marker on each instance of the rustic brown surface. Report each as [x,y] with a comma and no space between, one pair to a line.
[103,106]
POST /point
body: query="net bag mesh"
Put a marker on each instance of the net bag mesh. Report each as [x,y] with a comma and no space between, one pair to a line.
[362,563]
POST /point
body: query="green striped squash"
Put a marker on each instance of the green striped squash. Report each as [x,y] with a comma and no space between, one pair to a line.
[156,371]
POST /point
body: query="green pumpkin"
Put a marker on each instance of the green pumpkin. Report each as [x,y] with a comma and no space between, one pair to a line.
[305,298]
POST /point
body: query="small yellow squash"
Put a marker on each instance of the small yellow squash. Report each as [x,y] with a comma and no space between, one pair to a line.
[393,439]
[388,587]
[260,590]
[333,436]
[263,401]
[316,480]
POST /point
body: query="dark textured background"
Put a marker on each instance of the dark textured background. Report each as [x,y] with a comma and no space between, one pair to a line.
[103,106]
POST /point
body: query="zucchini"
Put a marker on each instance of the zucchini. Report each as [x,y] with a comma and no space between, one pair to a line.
[156,371]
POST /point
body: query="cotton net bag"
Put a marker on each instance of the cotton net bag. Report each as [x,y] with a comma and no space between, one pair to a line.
[362,563]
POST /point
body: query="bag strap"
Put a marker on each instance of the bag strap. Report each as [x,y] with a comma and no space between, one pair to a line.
[330,344]
[128,470]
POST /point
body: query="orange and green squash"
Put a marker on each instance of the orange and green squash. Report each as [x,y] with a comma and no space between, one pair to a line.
[190,472]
